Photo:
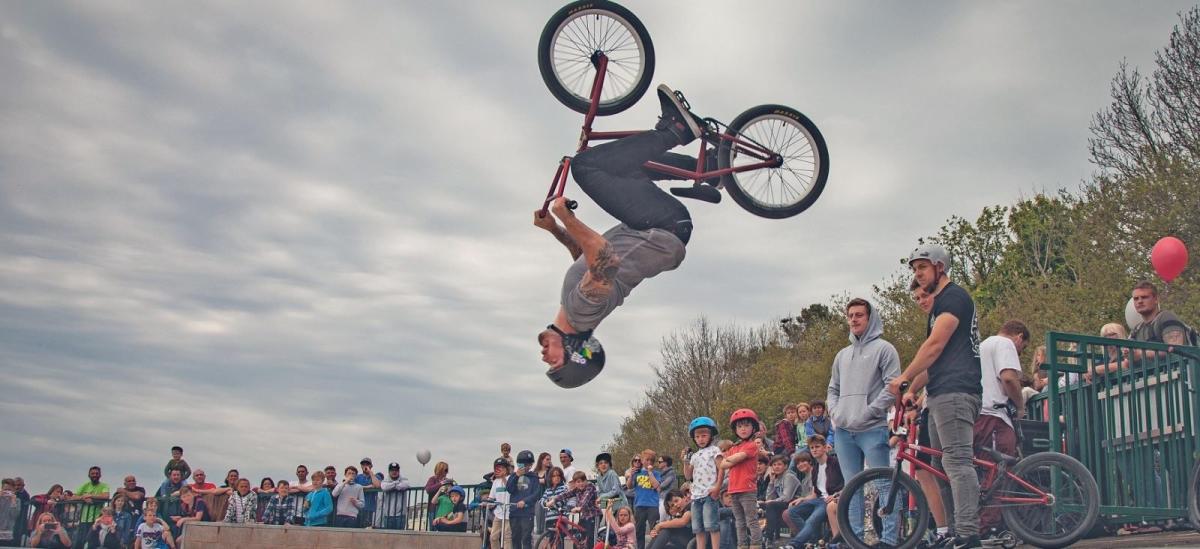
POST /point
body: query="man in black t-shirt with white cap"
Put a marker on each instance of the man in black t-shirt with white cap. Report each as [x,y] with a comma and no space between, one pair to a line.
[947,366]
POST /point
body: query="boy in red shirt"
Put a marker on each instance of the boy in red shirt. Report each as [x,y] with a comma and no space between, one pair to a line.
[741,460]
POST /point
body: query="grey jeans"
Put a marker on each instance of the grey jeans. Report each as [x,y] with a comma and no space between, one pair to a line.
[745,517]
[951,429]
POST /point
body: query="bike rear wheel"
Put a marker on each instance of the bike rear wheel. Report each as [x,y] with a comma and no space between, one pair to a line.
[578,31]
[786,190]
[1076,503]
[910,513]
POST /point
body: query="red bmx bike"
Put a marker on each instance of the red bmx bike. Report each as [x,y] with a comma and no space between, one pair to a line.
[1047,499]
[597,59]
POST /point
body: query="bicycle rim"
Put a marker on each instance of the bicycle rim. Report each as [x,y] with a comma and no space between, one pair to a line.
[909,516]
[790,183]
[1049,525]
[586,32]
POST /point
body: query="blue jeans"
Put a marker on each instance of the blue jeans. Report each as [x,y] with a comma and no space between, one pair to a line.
[704,515]
[853,448]
[810,513]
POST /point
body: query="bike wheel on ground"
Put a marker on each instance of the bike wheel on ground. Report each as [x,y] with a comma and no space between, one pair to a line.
[1194,498]
[786,190]
[575,34]
[910,513]
[548,540]
[1076,500]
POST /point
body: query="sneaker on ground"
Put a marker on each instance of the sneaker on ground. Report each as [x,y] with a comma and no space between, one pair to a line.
[966,542]
[675,116]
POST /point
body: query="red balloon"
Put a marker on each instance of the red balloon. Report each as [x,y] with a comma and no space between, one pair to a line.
[1169,257]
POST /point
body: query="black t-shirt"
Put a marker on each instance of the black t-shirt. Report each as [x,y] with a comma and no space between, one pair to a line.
[957,369]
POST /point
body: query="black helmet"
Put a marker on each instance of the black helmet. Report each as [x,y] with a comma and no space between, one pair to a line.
[501,461]
[525,457]
[583,359]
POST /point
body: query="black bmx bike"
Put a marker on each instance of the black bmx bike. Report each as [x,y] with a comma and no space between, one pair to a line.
[596,58]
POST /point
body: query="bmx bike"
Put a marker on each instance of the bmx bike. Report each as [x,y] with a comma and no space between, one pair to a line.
[1047,499]
[563,529]
[596,58]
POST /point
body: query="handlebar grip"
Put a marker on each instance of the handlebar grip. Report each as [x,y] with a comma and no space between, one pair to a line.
[571,204]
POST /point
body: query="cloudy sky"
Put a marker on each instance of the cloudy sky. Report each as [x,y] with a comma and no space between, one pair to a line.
[288,232]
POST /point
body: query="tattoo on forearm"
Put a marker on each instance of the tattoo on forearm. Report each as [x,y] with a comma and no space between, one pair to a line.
[566,240]
[603,270]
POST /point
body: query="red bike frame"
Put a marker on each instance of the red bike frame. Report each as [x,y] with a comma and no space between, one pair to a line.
[767,158]
[908,449]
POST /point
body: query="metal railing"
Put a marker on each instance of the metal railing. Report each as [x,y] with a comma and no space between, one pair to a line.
[1135,427]
[396,510]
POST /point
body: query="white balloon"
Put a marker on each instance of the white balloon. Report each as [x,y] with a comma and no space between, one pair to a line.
[1132,318]
[423,456]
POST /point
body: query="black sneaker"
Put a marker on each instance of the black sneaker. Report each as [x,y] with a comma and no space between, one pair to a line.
[707,193]
[966,542]
[675,116]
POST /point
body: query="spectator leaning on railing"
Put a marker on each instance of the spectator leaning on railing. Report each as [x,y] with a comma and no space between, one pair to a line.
[173,483]
[1157,326]
[349,496]
[10,509]
[243,504]
[281,507]
[91,493]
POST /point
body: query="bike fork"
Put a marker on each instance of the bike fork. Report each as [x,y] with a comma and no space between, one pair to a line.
[890,504]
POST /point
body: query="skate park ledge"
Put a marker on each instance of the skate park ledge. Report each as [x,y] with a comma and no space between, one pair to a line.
[213,535]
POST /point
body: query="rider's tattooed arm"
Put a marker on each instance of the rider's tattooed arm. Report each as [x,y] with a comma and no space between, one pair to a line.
[601,271]
[566,240]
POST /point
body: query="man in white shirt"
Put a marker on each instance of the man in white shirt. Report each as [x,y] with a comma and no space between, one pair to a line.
[567,459]
[1000,364]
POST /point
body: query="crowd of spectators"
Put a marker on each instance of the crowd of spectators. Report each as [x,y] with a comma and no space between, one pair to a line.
[789,475]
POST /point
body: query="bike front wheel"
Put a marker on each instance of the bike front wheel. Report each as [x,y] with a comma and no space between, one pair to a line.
[1075,506]
[568,46]
[781,191]
[909,516]
[548,540]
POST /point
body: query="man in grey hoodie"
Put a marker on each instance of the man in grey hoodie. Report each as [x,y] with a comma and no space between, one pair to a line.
[859,402]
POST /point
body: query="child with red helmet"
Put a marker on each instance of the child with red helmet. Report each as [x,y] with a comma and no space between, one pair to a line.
[740,461]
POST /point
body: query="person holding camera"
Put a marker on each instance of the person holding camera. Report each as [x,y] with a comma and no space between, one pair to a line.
[103,533]
[49,533]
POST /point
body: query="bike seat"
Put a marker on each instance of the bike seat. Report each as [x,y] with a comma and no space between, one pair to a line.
[998,456]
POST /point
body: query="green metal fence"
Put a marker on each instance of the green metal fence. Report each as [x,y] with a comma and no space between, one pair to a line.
[1134,427]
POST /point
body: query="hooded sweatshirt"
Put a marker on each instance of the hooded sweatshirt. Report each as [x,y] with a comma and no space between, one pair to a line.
[857,398]
[608,485]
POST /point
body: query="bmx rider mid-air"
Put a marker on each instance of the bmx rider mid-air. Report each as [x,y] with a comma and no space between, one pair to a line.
[651,237]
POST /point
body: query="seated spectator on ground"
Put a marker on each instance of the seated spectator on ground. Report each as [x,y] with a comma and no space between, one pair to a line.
[456,519]
[152,534]
[191,508]
[761,479]
[48,533]
[726,520]
[392,499]
[785,432]
[243,504]
[818,423]
[320,502]
[200,484]
[134,495]
[349,494]
[92,493]
[172,484]
[281,507]
[676,531]
[810,512]
[103,533]
[780,492]
[177,463]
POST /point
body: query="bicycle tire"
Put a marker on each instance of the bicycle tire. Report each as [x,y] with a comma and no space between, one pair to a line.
[808,167]
[611,30]
[1022,519]
[548,540]
[915,520]
[1194,498]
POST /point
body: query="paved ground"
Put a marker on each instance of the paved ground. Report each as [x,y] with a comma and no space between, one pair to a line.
[1139,541]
